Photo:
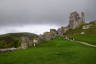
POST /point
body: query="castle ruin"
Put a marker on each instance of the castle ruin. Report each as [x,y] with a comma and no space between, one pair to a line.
[76,19]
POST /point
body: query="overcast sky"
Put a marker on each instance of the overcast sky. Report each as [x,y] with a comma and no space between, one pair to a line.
[38,16]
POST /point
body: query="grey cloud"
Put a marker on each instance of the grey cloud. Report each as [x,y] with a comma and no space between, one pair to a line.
[22,12]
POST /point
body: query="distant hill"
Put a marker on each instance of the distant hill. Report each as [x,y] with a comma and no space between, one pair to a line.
[19,34]
[14,39]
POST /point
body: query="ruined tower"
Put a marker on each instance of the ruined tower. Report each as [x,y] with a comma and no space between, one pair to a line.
[83,17]
[75,20]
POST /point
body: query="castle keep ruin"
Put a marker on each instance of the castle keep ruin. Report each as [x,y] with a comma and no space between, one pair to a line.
[76,19]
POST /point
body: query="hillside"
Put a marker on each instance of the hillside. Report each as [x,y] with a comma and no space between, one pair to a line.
[85,33]
[56,51]
[14,39]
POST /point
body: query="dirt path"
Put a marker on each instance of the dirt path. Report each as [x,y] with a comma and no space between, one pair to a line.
[85,43]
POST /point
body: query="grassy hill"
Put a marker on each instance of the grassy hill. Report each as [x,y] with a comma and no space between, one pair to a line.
[14,39]
[56,51]
[89,36]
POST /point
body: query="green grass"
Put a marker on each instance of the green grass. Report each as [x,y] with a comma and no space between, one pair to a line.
[91,39]
[89,36]
[56,51]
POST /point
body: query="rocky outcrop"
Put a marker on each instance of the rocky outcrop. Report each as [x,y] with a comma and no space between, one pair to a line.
[75,20]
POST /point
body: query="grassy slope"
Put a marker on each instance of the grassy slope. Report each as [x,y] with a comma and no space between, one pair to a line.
[14,39]
[56,51]
[89,36]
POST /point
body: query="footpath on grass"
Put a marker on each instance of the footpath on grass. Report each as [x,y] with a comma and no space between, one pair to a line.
[84,43]
[87,44]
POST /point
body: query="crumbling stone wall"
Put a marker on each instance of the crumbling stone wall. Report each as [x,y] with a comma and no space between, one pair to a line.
[27,42]
[24,42]
[62,30]
[49,35]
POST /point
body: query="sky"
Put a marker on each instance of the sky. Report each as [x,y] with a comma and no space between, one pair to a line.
[38,16]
